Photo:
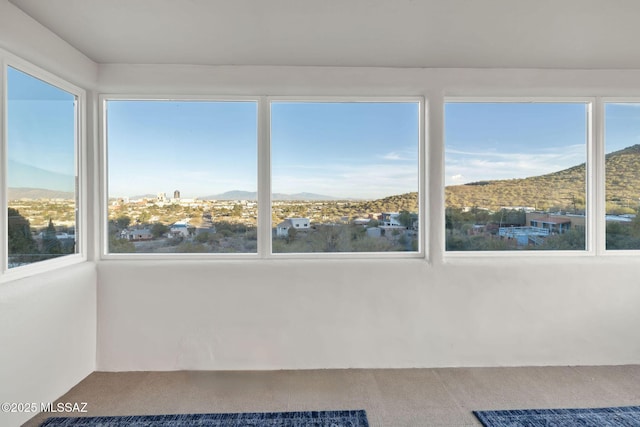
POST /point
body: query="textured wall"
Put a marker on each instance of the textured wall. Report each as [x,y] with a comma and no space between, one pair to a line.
[276,314]
[48,336]
[322,314]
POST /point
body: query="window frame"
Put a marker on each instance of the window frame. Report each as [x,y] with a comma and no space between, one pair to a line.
[103,234]
[593,146]
[602,183]
[80,161]
[263,141]
[423,227]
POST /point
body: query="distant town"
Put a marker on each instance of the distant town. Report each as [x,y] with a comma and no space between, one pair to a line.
[169,223]
[176,225]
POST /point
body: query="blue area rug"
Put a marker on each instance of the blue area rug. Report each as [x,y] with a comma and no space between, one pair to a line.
[269,419]
[628,416]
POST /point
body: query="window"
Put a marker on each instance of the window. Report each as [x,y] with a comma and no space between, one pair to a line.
[335,176]
[182,176]
[345,176]
[41,171]
[622,175]
[515,175]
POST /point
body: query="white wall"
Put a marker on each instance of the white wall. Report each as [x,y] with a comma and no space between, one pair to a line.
[48,320]
[277,314]
[48,336]
[317,314]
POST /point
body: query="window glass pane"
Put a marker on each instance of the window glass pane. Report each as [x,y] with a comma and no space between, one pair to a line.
[622,169]
[345,176]
[41,170]
[182,176]
[515,176]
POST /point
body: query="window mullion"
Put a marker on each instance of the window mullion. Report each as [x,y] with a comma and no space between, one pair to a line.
[264,177]
[597,176]
[4,246]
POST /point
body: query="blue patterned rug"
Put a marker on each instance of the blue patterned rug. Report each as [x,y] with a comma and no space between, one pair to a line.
[269,419]
[628,416]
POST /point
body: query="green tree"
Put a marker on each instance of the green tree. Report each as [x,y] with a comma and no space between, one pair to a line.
[330,238]
[573,239]
[635,226]
[292,233]
[203,237]
[50,243]
[406,219]
[619,237]
[22,246]
[123,222]
[144,217]
[158,230]
[237,210]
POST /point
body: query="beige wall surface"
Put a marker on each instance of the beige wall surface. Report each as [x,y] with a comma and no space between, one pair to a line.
[319,313]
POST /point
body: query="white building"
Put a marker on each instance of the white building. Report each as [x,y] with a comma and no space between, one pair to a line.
[282,229]
[141,234]
[179,229]
[390,219]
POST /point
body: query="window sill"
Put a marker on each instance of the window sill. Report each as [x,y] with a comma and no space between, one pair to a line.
[41,267]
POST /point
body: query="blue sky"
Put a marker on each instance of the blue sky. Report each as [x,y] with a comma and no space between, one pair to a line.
[355,150]
[359,150]
[622,127]
[199,148]
[351,150]
[41,134]
[487,141]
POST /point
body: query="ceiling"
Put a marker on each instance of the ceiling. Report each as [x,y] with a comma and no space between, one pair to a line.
[591,34]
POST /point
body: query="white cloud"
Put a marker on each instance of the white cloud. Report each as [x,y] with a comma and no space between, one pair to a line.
[354,181]
[391,156]
[478,165]
[457,179]
[402,155]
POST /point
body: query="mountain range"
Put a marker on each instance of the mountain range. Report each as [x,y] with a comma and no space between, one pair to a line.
[38,193]
[565,188]
[252,195]
[33,177]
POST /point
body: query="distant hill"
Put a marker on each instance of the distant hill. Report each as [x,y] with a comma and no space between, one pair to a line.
[32,177]
[252,195]
[143,196]
[623,174]
[396,203]
[233,195]
[38,193]
[565,188]
[303,196]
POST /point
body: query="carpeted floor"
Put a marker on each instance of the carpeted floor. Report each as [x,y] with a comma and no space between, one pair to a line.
[391,397]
